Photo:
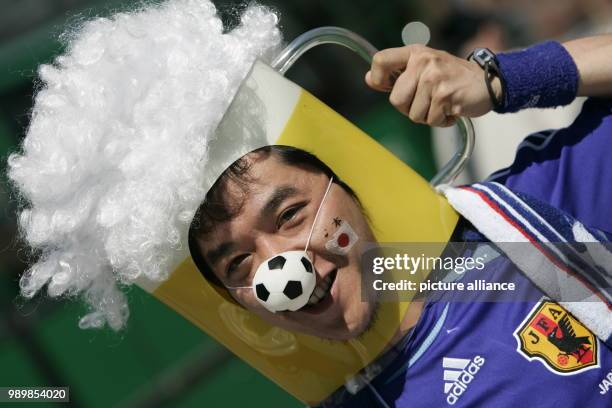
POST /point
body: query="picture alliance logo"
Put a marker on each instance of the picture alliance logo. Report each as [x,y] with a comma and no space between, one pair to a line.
[458,374]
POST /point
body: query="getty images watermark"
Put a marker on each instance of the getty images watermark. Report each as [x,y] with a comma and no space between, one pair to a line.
[477,271]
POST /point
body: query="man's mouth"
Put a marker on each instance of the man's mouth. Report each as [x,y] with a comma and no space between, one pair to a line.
[322,289]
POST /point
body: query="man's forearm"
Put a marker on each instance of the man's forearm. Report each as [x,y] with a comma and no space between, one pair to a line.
[435,87]
[593,57]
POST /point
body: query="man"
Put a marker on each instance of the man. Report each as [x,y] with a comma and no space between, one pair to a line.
[115,164]
[266,203]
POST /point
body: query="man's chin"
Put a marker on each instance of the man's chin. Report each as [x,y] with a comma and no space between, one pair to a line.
[366,323]
[336,323]
[353,328]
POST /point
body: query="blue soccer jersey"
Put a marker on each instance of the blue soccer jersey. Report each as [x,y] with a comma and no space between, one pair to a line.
[569,168]
[515,353]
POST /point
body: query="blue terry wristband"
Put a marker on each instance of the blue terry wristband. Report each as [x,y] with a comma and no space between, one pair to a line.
[541,76]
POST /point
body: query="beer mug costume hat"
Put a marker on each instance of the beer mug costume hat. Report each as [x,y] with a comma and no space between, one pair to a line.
[131,128]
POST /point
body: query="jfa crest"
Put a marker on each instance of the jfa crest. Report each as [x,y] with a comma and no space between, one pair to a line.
[553,336]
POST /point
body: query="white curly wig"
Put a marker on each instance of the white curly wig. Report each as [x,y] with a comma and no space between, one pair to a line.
[111,167]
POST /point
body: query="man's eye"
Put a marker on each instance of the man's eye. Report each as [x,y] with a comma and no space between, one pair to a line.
[288,215]
[235,263]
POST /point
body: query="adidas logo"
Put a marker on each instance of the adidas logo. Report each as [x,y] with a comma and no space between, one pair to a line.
[458,373]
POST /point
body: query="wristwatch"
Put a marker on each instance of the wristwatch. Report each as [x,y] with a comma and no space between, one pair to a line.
[487,60]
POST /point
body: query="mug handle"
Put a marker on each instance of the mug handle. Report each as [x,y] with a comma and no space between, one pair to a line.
[358,44]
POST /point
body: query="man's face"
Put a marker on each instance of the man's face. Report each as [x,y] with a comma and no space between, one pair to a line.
[277,215]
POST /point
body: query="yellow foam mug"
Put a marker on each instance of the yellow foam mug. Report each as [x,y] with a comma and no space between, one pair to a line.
[268,109]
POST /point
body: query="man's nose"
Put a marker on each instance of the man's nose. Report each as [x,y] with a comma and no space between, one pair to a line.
[268,246]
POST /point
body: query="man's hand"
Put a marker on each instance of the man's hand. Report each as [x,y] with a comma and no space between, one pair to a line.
[433,87]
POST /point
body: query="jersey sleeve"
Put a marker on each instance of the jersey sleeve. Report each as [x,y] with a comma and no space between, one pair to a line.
[569,168]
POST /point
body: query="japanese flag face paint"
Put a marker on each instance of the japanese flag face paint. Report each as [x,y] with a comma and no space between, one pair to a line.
[342,240]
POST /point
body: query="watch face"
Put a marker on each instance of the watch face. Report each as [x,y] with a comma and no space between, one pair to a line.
[482,56]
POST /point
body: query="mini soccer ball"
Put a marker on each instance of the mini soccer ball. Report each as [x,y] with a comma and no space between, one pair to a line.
[285,281]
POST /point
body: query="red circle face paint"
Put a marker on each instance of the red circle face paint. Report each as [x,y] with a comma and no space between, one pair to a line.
[343,240]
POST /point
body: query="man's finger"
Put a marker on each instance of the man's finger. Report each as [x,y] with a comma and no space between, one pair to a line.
[439,109]
[436,116]
[421,102]
[386,67]
[403,92]
[371,84]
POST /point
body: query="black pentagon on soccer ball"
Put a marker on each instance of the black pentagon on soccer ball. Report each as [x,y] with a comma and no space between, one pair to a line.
[277,262]
[293,289]
[307,264]
[262,292]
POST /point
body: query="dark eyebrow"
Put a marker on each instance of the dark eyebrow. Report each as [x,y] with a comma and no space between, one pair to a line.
[219,252]
[275,200]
